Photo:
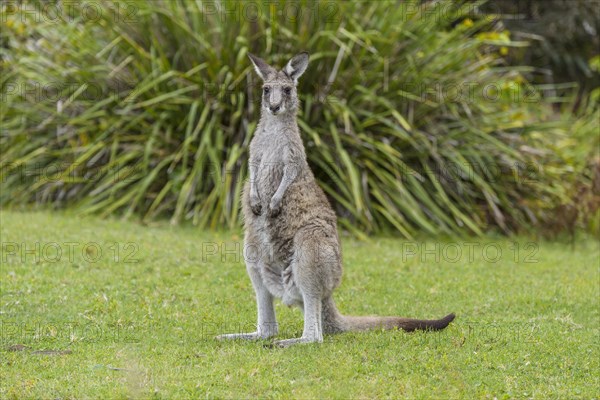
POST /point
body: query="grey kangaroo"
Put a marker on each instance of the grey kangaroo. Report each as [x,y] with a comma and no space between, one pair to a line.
[292,249]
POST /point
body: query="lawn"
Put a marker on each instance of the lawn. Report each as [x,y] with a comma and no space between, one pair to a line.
[95,308]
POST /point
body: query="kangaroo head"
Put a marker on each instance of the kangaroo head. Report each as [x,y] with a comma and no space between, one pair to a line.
[279,88]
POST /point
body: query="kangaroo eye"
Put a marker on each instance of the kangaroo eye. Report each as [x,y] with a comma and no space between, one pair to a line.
[266,89]
[287,90]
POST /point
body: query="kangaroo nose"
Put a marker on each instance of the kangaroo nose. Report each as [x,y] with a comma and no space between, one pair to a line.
[276,108]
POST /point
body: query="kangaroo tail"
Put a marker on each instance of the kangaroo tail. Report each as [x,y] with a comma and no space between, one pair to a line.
[335,322]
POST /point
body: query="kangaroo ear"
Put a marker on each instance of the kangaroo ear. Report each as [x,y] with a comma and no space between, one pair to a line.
[296,66]
[262,68]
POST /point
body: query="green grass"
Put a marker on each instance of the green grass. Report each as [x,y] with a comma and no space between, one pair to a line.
[144,329]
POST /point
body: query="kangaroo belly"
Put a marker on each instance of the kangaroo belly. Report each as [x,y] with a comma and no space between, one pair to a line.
[291,293]
[281,283]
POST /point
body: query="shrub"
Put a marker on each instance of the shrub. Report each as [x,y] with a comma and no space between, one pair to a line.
[411,119]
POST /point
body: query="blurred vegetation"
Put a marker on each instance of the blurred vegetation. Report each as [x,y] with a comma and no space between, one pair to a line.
[412,118]
[564,53]
[564,38]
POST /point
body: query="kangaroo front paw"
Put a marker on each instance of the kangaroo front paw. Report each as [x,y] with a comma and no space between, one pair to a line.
[273,212]
[274,208]
[256,206]
[256,209]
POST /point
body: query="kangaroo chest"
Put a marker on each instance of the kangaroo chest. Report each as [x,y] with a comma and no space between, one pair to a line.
[270,166]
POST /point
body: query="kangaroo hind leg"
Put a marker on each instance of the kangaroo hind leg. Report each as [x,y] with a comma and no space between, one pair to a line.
[267,323]
[313,276]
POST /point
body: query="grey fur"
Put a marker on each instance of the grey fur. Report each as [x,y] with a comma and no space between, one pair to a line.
[292,249]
